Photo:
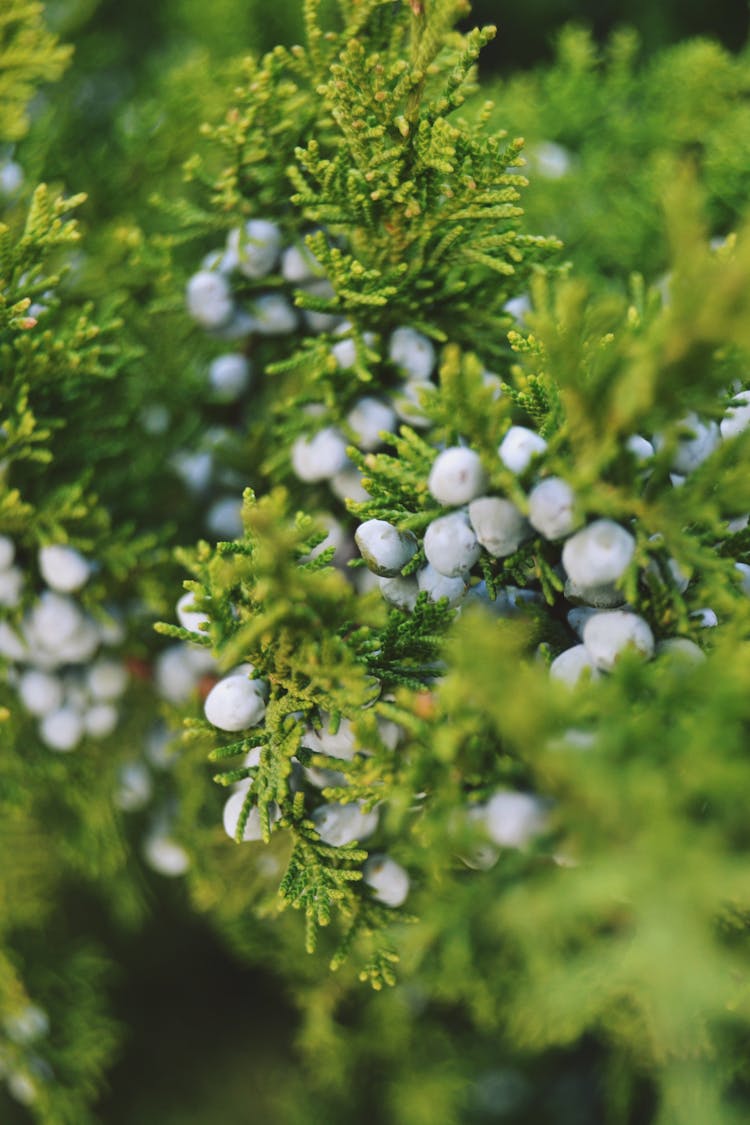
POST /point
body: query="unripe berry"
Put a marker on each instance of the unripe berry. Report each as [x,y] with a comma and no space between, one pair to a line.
[231,817]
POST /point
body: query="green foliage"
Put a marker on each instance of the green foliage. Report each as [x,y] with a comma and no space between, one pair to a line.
[29,55]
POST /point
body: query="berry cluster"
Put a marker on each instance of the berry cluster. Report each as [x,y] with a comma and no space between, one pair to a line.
[57,665]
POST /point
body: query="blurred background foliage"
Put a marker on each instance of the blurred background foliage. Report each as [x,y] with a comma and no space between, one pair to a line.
[207,1038]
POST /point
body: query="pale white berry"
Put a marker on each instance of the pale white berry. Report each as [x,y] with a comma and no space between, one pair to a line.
[413,352]
[483,855]
[387,879]
[190,617]
[341,744]
[706,618]
[273,315]
[62,730]
[437,585]
[81,646]
[347,484]
[256,247]
[165,856]
[235,703]
[695,445]
[7,552]
[339,825]
[194,469]
[640,447]
[299,264]
[100,720]
[174,674]
[514,819]
[367,418]
[320,321]
[451,545]
[63,568]
[40,692]
[319,457]
[607,596]
[456,476]
[680,578]
[737,417]
[229,376]
[518,307]
[11,645]
[578,617]
[408,402]
[571,665]
[134,786]
[552,508]
[209,299]
[22,1087]
[11,586]
[239,325]
[54,619]
[345,351]
[498,525]
[233,809]
[608,634]
[107,679]
[518,447]
[30,1023]
[681,648]
[400,592]
[599,554]
[224,518]
[385,549]
[550,160]
[337,538]
[11,178]
[744,571]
